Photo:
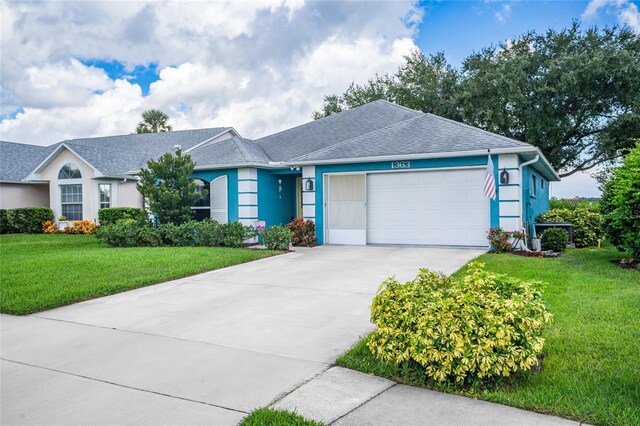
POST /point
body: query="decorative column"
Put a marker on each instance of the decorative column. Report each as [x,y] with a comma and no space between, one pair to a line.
[248,198]
[309,196]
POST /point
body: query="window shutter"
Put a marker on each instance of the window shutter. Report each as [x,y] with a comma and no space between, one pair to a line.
[219,203]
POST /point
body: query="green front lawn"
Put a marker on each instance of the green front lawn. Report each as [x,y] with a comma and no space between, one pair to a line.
[273,417]
[39,272]
[591,365]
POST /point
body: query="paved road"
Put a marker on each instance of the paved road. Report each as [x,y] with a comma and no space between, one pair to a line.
[205,349]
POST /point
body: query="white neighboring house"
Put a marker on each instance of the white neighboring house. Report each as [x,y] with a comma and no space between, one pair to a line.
[76,178]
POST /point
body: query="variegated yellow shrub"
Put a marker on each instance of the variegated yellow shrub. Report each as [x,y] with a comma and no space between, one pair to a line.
[86,227]
[479,328]
[49,227]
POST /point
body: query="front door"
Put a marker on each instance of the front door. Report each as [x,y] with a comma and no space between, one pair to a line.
[299,197]
[347,209]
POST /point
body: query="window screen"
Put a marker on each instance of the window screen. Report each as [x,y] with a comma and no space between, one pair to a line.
[347,209]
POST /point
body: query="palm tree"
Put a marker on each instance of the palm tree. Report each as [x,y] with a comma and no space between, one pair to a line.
[153,121]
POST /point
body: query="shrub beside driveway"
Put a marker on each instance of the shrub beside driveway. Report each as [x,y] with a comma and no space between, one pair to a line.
[41,272]
[589,367]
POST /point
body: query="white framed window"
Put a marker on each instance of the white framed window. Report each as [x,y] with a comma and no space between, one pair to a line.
[104,193]
[202,206]
[69,171]
[70,191]
[71,201]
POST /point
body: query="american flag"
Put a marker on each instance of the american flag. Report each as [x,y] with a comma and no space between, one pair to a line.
[489,180]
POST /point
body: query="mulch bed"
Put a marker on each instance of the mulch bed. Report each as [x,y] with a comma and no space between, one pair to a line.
[536,253]
[531,253]
[632,263]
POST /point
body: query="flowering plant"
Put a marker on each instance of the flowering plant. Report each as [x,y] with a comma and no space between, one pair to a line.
[304,232]
[501,240]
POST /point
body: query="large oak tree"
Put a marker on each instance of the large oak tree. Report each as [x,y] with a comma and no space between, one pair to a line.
[574,94]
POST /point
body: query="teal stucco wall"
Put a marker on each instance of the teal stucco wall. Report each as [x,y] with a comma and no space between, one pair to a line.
[533,205]
[275,207]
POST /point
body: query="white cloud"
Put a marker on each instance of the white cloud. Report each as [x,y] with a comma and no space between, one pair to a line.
[259,67]
[625,10]
[504,13]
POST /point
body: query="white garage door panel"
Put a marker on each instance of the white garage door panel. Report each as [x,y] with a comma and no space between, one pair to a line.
[444,207]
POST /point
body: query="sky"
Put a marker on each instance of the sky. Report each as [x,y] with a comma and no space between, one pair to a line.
[82,69]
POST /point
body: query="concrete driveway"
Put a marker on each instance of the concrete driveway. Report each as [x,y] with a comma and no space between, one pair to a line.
[204,349]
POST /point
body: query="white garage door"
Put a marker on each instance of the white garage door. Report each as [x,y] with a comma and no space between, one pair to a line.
[445,207]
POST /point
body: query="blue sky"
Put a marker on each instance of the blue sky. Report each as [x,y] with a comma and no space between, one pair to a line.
[460,27]
[260,67]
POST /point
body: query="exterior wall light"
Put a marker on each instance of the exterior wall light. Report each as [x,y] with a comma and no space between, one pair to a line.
[504,177]
[308,185]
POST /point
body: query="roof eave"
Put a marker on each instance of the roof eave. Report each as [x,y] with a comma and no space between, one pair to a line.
[516,150]
[51,156]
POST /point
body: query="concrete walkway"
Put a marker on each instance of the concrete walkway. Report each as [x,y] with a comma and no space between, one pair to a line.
[204,349]
[341,396]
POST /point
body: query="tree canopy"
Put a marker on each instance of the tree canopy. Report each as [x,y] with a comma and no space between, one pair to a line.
[168,188]
[154,121]
[574,94]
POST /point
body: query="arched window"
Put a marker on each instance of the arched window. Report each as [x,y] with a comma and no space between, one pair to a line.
[202,206]
[70,193]
[69,171]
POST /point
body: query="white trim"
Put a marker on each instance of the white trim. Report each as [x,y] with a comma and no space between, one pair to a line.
[219,184]
[44,163]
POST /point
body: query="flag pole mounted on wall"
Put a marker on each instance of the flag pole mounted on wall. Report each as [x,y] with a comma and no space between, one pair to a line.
[489,179]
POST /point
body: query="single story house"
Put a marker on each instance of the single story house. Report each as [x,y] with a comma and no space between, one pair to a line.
[376,174]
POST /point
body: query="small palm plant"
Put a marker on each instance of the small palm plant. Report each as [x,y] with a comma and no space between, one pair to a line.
[154,121]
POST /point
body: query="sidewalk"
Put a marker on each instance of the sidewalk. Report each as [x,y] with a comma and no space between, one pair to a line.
[340,396]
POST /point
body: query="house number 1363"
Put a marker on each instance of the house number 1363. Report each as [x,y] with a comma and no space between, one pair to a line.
[401,164]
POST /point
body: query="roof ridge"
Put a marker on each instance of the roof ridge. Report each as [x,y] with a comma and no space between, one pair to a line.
[140,134]
[332,116]
[476,128]
[102,147]
[359,136]
[242,150]
[398,106]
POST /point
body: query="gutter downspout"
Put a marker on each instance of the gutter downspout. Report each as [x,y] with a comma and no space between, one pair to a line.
[520,197]
[120,184]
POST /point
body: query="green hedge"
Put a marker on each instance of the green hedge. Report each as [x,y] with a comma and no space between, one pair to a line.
[587,224]
[132,233]
[4,222]
[112,215]
[554,239]
[27,220]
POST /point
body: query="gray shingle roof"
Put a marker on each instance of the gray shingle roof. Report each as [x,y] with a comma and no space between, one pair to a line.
[230,151]
[117,155]
[334,129]
[424,134]
[19,159]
